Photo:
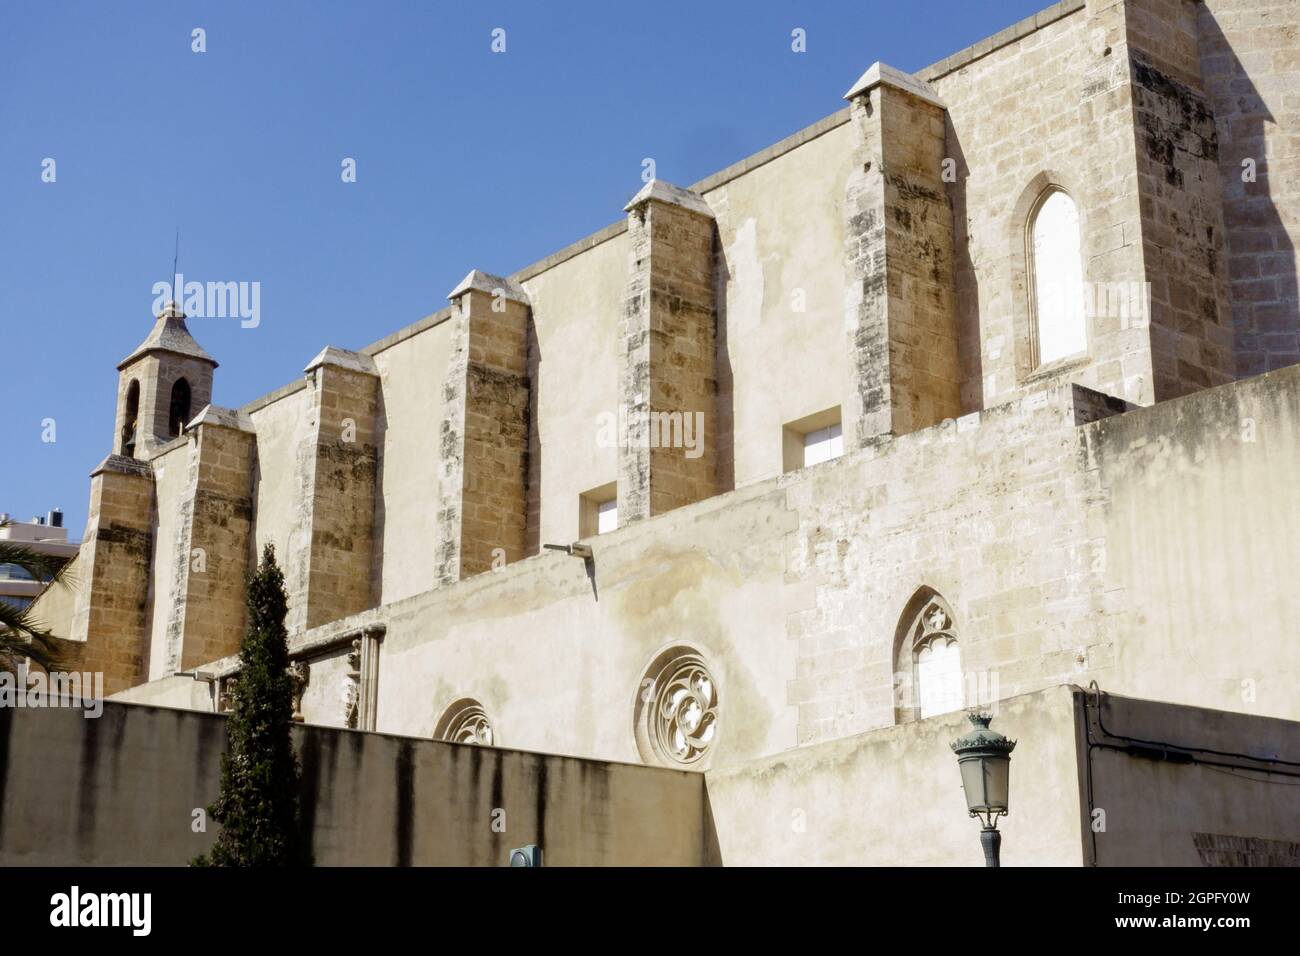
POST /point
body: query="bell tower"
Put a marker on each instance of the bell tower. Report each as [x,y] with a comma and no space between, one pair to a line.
[161,385]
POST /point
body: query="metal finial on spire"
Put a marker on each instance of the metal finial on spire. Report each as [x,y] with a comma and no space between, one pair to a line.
[176,295]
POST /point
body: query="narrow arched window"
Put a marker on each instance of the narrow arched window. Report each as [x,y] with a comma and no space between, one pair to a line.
[928,672]
[1056,264]
[130,417]
[180,408]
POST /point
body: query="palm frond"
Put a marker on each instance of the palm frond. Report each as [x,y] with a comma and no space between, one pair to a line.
[20,634]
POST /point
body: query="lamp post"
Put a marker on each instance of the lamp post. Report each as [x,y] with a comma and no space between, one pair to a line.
[984,758]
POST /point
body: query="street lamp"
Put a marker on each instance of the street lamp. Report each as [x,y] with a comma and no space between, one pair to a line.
[984,758]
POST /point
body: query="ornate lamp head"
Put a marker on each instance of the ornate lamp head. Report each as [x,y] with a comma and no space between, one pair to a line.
[984,757]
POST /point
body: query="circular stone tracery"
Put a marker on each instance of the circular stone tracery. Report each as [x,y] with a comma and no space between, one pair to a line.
[466,722]
[678,709]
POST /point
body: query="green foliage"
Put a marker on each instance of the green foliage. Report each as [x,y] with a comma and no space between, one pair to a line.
[258,804]
[21,635]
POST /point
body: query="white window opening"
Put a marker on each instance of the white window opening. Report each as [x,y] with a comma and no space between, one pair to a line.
[606,516]
[1057,261]
[823,445]
[938,676]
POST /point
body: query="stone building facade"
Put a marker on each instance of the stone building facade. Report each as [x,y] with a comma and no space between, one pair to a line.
[1002,519]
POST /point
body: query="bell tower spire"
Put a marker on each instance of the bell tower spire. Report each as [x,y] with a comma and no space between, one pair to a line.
[162,385]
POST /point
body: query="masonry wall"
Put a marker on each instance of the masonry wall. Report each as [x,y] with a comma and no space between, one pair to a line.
[797,584]
[1250,61]
[111,612]
[1075,131]
[1136,551]
[208,612]
[122,789]
[1178,181]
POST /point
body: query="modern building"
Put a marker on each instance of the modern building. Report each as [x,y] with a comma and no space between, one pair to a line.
[43,535]
[978,391]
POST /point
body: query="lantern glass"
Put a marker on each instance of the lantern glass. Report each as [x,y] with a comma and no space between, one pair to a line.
[986,779]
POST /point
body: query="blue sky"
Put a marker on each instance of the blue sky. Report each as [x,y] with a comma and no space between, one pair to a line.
[465,159]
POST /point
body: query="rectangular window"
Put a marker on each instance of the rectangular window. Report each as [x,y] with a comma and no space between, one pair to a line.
[598,510]
[812,440]
[822,445]
[606,516]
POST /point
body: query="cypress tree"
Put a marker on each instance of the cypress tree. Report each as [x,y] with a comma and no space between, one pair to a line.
[258,804]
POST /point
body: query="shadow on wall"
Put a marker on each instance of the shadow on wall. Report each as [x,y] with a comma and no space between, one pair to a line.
[725,447]
[380,518]
[1262,259]
[970,349]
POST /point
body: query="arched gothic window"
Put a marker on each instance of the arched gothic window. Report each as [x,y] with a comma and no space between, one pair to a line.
[928,673]
[129,420]
[180,408]
[1056,287]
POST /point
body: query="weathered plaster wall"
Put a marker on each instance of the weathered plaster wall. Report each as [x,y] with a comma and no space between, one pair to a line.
[893,797]
[1200,534]
[1187,786]
[55,607]
[783,349]
[121,790]
[410,409]
[575,308]
[555,652]
[281,425]
[1202,796]
[170,474]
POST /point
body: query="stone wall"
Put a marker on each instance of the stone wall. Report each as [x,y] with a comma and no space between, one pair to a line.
[1086,788]
[330,550]
[900,259]
[111,610]
[1178,188]
[213,546]
[1071,539]
[737,298]
[668,381]
[1075,132]
[1250,61]
[482,494]
[1095,780]
[123,790]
